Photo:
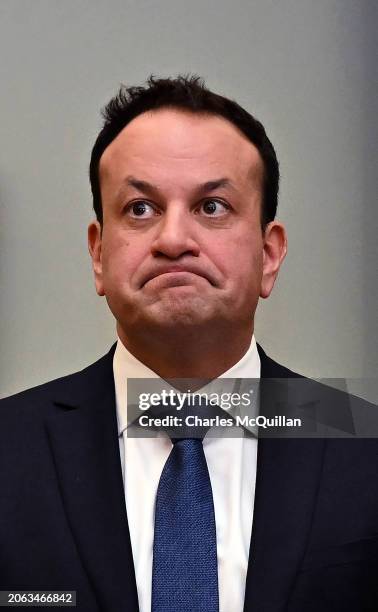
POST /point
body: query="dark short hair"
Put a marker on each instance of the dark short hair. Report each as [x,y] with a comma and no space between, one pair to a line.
[187,93]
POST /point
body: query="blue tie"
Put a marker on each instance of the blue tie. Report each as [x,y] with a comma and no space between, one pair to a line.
[184,571]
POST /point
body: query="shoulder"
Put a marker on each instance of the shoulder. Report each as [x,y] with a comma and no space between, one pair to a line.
[37,399]
[273,369]
[343,419]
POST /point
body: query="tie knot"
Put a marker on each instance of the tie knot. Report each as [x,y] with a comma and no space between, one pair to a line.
[193,440]
[192,421]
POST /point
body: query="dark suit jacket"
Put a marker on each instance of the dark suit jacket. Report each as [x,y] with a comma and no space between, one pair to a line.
[63,522]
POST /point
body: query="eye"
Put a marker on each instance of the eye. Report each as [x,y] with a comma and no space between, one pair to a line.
[214,208]
[141,209]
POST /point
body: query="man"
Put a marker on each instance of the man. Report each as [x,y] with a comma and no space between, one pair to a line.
[185,242]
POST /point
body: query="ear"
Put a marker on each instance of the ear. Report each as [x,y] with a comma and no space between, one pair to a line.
[274,251]
[94,247]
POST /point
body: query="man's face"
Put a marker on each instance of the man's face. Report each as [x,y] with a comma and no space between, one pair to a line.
[181,245]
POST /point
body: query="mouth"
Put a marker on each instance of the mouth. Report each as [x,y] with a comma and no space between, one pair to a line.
[175,276]
[175,279]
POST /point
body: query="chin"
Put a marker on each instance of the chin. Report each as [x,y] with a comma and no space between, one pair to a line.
[179,314]
[172,318]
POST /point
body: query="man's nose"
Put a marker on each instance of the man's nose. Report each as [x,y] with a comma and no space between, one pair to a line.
[176,235]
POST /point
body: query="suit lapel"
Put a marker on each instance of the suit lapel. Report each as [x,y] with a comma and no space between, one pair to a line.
[84,441]
[288,473]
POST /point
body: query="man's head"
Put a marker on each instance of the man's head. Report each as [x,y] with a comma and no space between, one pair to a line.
[185,241]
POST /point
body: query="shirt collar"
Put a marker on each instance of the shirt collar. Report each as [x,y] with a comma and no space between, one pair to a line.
[125,366]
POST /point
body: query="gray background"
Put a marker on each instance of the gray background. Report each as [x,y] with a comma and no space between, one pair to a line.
[305,68]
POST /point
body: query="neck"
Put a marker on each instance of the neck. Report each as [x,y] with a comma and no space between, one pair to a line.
[189,354]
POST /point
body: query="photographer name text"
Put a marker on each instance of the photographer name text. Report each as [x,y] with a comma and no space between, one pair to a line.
[238,421]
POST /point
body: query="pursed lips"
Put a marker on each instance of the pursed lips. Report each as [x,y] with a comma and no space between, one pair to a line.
[176,269]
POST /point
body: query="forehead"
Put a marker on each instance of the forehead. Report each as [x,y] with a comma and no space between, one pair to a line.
[174,143]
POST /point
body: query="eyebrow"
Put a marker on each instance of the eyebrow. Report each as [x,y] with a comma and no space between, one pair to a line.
[150,189]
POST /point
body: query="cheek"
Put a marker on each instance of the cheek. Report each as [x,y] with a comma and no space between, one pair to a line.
[241,261]
[120,259]
[248,274]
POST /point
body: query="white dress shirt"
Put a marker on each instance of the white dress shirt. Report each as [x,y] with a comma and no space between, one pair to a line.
[232,468]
